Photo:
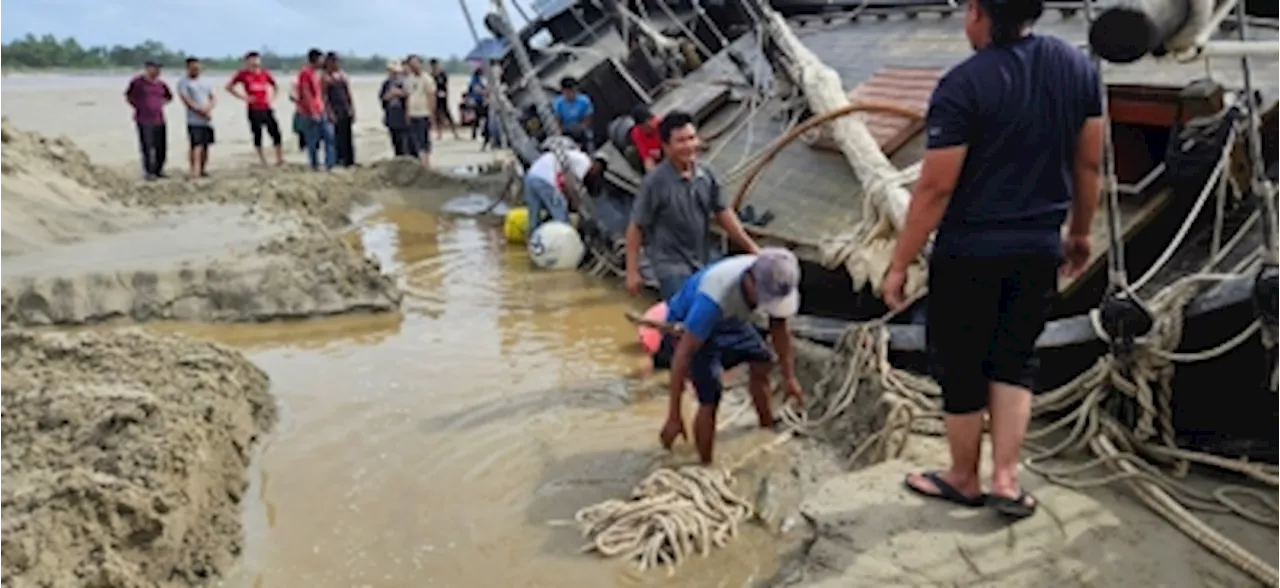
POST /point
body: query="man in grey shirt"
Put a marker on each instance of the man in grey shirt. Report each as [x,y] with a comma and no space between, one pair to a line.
[672,215]
[199,99]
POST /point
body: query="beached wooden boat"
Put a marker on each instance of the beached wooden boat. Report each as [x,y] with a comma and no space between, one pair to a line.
[894,51]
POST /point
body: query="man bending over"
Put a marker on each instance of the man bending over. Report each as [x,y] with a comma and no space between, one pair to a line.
[714,308]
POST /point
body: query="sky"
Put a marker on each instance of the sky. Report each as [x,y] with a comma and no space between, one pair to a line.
[230,27]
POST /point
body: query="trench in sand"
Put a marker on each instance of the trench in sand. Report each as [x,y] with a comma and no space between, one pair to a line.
[432,446]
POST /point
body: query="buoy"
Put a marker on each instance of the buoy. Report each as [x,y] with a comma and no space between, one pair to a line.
[516,224]
[650,337]
[556,245]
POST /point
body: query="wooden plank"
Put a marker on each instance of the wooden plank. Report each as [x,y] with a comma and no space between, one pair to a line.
[910,87]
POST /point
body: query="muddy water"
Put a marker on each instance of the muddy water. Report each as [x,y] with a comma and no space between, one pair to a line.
[432,448]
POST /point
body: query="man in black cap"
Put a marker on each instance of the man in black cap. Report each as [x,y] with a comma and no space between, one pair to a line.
[148,95]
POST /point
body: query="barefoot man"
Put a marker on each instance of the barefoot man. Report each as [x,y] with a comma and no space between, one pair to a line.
[714,308]
[256,86]
[198,97]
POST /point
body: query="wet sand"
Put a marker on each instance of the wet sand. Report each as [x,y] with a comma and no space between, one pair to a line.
[430,442]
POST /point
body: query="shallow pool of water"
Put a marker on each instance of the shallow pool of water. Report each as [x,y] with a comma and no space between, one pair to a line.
[433,446]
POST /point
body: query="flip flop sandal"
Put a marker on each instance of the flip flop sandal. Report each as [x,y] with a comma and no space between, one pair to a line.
[1015,508]
[946,491]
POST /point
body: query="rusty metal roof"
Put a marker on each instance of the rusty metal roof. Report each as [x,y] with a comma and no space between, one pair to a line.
[903,86]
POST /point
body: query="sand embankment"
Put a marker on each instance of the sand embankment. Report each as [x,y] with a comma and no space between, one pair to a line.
[124,457]
[83,245]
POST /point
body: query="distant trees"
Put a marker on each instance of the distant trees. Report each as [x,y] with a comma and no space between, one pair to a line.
[47,51]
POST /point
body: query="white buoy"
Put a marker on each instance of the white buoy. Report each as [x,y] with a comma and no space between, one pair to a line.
[556,245]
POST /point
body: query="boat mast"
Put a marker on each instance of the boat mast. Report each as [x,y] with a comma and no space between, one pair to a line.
[466,13]
[1262,186]
[501,23]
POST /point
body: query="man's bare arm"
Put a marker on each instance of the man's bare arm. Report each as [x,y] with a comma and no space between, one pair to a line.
[233,88]
[728,220]
[1088,176]
[635,239]
[780,334]
[938,176]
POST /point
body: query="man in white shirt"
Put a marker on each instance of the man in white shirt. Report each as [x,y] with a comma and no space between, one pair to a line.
[420,104]
[544,184]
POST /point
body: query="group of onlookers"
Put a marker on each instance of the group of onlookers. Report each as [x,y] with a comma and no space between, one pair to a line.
[324,110]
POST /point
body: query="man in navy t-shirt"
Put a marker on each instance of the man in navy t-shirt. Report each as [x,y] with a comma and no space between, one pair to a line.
[1014,149]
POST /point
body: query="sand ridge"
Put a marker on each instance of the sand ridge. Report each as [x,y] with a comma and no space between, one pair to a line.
[85,245]
[124,457]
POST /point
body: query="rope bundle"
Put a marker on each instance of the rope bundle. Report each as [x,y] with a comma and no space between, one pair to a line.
[672,514]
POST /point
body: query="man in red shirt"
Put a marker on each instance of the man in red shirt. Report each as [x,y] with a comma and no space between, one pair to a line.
[645,137]
[311,106]
[257,88]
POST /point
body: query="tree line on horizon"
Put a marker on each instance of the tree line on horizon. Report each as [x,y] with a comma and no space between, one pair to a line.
[49,52]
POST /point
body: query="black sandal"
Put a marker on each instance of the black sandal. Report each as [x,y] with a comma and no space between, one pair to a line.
[946,491]
[1015,508]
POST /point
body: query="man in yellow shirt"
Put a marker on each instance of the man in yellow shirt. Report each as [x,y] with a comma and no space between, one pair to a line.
[420,104]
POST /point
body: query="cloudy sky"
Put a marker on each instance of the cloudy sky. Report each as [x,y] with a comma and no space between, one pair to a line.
[229,27]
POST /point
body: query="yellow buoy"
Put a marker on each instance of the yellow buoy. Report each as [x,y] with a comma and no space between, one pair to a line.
[516,224]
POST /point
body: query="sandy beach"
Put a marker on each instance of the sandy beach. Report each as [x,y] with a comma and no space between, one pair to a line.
[91,110]
[171,420]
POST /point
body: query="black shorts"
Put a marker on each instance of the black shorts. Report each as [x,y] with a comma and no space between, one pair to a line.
[199,136]
[420,134]
[264,120]
[984,316]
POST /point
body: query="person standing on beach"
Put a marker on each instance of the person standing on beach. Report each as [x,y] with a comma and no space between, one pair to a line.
[442,114]
[420,104]
[392,95]
[198,97]
[478,94]
[714,308]
[318,127]
[574,111]
[148,95]
[341,108]
[672,215]
[1014,150]
[257,87]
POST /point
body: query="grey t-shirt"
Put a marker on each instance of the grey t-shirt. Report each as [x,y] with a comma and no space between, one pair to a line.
[675,213]
[199,93]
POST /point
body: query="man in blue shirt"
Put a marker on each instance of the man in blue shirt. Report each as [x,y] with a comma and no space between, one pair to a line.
[1014,147]
[574,110]
[713,309]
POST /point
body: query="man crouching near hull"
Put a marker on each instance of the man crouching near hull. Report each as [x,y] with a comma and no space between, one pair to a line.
[714,309]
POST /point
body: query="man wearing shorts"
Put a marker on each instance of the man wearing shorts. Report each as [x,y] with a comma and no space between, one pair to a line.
[420,104]
[198,97]
[1014,148]
[714,308]
[256,86]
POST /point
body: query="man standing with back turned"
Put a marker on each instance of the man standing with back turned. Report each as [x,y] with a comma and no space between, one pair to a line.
[256,86]
[671,217]
[1014,145]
